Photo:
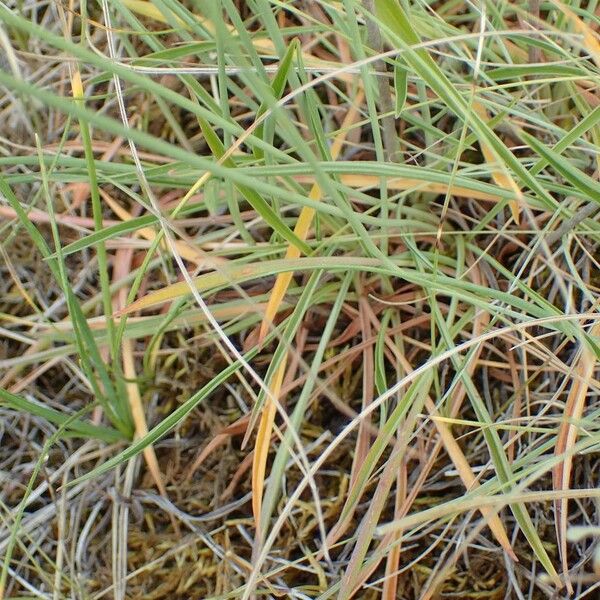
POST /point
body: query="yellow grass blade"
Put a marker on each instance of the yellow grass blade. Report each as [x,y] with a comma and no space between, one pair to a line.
[500,175]
[303,224]
[228,275]
[76,85]
[469,479]
[138,415]
[263,442]
[283,279]
[185,250]
[406,183]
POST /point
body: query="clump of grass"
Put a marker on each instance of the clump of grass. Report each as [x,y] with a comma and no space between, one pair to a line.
[299,299]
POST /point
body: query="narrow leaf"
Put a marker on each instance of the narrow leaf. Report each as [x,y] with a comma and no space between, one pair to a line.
[401,88]
[278,86]
[75,427]
[252,196]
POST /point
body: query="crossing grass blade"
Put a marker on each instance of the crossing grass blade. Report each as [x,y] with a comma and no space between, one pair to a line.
[254,198]
[303,225]
[72,426]
[333,179]
[502,178]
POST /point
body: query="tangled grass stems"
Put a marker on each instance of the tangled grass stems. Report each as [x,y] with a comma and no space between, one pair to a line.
[332,267]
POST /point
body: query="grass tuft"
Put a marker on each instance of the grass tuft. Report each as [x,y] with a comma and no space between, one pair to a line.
[299,299]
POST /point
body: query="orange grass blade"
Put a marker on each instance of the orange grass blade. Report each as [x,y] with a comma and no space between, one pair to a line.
[267,419]
[236,428]
[567,436]
[390,585]
[263,442]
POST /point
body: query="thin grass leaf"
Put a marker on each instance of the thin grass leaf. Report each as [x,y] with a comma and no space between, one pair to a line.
[590,38]
[303,225]
[500,175]
[278,85]
[584,183]
[73,426]
[166,425]
[401,88]
[565,441]
[263,443]
[254,199]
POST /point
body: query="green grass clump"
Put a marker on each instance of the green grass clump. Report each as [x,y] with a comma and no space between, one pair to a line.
[299,299]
